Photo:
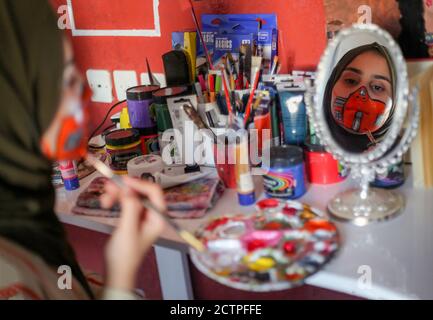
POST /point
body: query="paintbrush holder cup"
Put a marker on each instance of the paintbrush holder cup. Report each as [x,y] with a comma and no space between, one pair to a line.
[224,157]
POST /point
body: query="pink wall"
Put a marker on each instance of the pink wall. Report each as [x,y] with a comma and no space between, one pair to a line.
[301,23]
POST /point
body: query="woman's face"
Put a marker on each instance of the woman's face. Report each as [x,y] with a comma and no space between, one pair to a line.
[362,96]
[428,6]
[63,139]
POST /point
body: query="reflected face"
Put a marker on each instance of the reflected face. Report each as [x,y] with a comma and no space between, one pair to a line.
[65,137]
[362,96]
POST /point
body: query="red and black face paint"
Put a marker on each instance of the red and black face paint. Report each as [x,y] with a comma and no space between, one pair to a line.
[359,112]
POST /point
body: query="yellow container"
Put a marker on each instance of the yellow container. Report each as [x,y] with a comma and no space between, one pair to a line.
[124,119]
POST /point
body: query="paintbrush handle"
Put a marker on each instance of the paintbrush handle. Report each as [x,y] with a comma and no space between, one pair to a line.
[250,99]
[108,173]
[194,16]
[149,205]
[185,235]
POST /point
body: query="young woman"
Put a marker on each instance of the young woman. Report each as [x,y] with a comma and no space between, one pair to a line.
[41,119]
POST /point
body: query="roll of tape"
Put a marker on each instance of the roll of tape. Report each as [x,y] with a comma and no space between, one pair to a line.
[144,165]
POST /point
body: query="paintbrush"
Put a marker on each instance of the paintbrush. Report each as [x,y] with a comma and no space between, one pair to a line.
[256,62]
[274,65]
[248,60]
[198,121]
[108,173]
[152,79]
[197,25]
[250,99]
[226,91]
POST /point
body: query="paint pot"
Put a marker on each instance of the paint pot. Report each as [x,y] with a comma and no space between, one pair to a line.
[149,142]
[160,96]
[68,170]
[122,145]
[163,120]
[139,99]
[390,177]
[321,167]
[284,172]
[144,166]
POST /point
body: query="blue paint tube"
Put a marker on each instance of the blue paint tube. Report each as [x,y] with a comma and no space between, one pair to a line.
[294,115]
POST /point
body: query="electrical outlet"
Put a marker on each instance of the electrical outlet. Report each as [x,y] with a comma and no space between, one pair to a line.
[100,83]
[159,76]
[124,79]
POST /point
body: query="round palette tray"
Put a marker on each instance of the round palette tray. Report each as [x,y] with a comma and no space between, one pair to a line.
[275,248]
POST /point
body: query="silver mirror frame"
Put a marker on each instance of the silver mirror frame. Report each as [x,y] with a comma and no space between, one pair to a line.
[402,91]
[364,205]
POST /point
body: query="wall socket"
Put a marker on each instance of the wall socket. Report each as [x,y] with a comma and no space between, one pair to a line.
[159,76]
[101,85]
[124,79]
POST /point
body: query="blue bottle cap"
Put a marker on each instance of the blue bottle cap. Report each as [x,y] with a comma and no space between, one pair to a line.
[247,199]
[71,184]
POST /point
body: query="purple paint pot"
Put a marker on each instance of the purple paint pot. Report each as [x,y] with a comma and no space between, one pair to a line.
[139,101]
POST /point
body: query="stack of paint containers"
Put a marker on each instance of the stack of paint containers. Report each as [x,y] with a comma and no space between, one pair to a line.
[122,145]
[163,120]
[139,100]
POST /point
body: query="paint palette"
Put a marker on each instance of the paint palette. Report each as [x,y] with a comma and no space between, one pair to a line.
[276,248]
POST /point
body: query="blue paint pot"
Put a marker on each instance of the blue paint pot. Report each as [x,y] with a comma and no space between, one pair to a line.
[391,177]
[284,172]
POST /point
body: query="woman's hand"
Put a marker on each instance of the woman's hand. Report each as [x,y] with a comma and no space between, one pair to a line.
[137,230]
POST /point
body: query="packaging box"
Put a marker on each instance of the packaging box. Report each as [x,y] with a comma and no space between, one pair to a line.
[263,27]
[188,41]
[224,43]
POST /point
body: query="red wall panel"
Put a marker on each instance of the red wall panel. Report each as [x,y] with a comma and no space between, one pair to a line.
[301,25]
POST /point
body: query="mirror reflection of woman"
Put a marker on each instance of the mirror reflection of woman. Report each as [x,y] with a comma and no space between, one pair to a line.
[359,97]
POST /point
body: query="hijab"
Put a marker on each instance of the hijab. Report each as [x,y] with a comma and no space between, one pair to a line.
[31,70]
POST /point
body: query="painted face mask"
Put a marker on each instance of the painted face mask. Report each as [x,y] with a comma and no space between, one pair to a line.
[359,113]
[69,142]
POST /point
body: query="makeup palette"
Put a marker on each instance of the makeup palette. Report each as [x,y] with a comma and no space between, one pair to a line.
[275,248]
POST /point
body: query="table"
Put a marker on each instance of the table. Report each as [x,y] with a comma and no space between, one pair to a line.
[385,260]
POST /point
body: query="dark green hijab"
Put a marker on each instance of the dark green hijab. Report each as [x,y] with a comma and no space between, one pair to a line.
[31,69]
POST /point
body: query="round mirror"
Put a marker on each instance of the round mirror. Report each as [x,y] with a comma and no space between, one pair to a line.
[360,104]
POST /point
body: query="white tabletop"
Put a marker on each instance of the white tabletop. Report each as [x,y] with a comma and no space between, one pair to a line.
[397,255]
